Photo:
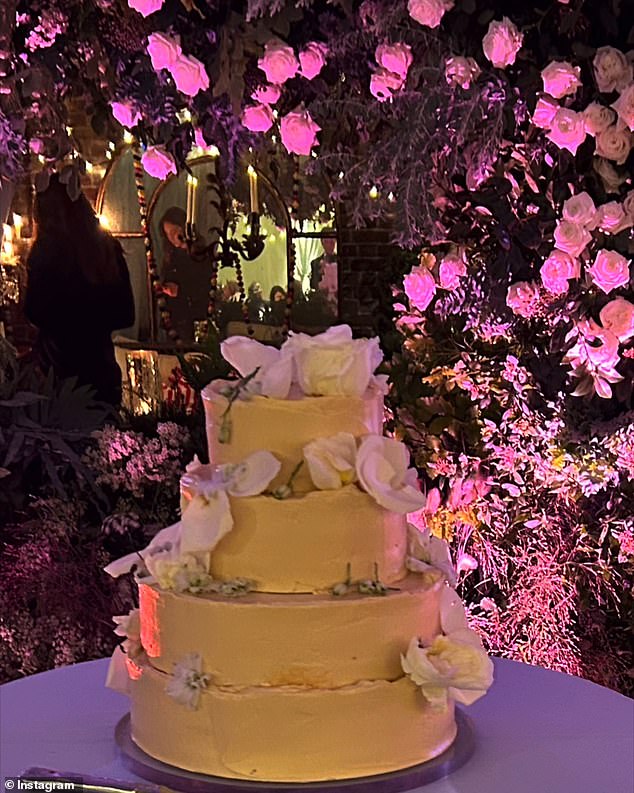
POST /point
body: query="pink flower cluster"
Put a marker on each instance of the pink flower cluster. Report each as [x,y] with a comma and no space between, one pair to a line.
[420,285]
[188,73]
[393,62]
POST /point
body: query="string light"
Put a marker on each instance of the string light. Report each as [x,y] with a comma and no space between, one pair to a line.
[128,138]
[374,192]
[104,221]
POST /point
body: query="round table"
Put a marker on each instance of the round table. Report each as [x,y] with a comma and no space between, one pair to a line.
[537,731]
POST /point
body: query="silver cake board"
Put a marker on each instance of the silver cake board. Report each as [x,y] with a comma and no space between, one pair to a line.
[415,776]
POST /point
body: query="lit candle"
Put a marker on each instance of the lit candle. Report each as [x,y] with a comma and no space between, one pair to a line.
[17,225]
[188,210]
[194,189]
[253,189]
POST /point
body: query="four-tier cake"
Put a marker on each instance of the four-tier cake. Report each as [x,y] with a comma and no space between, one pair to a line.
[292,627]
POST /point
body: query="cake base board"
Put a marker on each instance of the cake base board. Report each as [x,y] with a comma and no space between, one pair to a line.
[415,776]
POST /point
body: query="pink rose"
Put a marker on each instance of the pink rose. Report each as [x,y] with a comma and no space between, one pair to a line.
[451,270]
[628,205]
[299,132]
[610,177]
[502,42]
[612,218]
[420,287]
[189,75]
[125,113]
[545,110]
[617,316]
[580,210]
[163,50]
[571,238]
[384,83]
[257,118]
[278,62]
[561,78]
[612,70]
[567,130]
[614,143]
[146,7]
[267,94]
[396,58]
[461,71]
[429,12]
[312,59]
[597,118]
[609,271]
[158,163]
[523,298]
[624,106]
[556,271]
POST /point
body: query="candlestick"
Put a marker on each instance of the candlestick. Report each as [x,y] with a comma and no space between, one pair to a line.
[17,225]
[253,189]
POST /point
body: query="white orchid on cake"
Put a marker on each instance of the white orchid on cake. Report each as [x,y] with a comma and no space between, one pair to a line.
[427,554]
[188,681]
[274,367]
[455,665]
[123,664]
[179,554]
[380,466]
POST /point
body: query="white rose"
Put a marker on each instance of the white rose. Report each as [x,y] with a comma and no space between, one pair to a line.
[610,177]
[571,238]
[609,271]
[502,42]
[331,461]
[461,70]
[624,106]
[383,472]
[333,363]
[545,110]
[427,553]
[612,218]
[429,12]
[617,316]
[597,118]
[614,143]
[561,78]
[612,70]
[580,209]
[567,130]
[453,667]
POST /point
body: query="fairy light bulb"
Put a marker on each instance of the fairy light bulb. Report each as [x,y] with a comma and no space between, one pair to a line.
[374,192]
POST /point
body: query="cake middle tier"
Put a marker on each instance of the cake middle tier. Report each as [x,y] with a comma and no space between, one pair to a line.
[285,426]
[305,543]
[321,641]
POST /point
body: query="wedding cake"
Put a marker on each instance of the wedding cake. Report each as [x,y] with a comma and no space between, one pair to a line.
[292,627]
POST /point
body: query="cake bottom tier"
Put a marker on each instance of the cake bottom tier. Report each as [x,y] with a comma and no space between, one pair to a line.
[289,733]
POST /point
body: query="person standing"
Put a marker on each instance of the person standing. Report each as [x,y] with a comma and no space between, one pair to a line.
[78,292]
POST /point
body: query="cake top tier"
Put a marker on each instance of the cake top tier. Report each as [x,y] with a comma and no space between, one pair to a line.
[312,388]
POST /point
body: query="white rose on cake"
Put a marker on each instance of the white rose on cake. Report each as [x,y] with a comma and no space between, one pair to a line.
[452,667]
[331,461]
[383,472]
[333,363]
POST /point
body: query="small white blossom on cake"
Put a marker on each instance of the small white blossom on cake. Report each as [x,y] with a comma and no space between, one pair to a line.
[427,553]
[186,573]
[117,677]
[383,472]
[331,461]
[452,667]
[188,681]
[129,627]
[275,367]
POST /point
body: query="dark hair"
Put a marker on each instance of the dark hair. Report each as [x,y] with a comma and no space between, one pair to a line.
[276,290]
[71,230]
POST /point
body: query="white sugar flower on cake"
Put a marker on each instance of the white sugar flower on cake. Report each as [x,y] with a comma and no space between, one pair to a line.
[331,461]
[129,627]
[427,553]
[383,472]
[206,516]
[275,367]
[188,681]
[333,363]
